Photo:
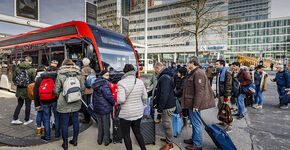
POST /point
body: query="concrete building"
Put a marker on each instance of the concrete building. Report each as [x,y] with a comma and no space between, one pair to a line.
[164,43]
[17,16]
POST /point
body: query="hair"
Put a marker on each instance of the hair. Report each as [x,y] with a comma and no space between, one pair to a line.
[128,67]
[86,61]
[182,71]
[54,62]
[159,64]
[237,64]
[67,62]
[194,60]
[222,62]
[28,59]
[173,63]
[260,67]
[41,68]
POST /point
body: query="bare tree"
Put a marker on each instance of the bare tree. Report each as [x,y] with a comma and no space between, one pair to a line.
[201,15]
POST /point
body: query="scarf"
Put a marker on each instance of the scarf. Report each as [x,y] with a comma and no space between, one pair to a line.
[222,72]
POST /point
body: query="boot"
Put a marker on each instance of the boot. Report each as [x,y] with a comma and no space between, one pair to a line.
[38,131]
[42,130]
[65,145]
[74,141]
[185,121]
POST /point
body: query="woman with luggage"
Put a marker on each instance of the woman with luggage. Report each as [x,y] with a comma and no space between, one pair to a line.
[68,87]
[131,93]
[103,102]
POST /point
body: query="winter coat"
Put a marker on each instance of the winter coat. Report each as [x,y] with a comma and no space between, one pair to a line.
[163,97]
[22,92]
[210,72]
[244,78]
[153,81]
[62,105]
[131,93]
[178,86]
[282,79]
[197,92]
[86,70]
[235,85]
[263,82]
[225,88]
[44,75]
[103,100]
[173,71]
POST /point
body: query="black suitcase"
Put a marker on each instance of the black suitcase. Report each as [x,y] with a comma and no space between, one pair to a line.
[147,128]
[90,110]
[248,100]
[117,134]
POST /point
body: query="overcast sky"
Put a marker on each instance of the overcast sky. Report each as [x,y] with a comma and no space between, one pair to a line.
[280,8]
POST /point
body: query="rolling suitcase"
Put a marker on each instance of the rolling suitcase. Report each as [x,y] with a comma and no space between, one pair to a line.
[176,124]
[90,110]
[219,136]
[117,134]
[147,128]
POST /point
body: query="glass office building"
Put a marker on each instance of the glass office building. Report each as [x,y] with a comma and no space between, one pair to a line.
[268,38]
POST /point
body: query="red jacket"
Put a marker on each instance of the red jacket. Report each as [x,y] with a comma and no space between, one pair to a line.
[244,78]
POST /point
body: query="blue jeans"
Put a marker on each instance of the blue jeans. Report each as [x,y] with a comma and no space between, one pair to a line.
[196,128]
[281,93]
[64,125]
[39,119]
[151,109]
[258,94]
[46,115]
[241,104]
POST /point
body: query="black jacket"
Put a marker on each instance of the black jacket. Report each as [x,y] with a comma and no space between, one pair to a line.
[225,88]
[38,81]
[178,86]
[163,97]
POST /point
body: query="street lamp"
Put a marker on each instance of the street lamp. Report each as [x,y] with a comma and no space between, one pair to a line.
[145,41]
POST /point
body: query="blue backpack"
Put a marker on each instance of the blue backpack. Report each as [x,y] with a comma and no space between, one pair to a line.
[90,79]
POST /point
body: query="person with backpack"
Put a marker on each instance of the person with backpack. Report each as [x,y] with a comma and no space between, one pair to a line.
[45,99]
[39,115]
[103,102]
[223,90]
[197,95]
[260,80]
[53,66]
[282,80]
[178,90]
[23,75]
[131,94]
[68,88]
[88,75]
[164,101]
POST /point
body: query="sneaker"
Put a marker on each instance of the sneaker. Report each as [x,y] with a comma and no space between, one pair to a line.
[240,117]
[45,139]
[228,129]
[27,122]
[283,107]
[236,114]
[259,107]
[16,121]
[255,106]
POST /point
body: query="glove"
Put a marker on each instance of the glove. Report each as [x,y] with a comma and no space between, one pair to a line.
[226,99]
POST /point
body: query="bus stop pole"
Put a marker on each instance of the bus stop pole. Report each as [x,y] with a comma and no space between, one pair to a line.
[145,37]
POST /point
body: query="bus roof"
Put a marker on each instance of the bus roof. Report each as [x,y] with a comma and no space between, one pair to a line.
[73,29]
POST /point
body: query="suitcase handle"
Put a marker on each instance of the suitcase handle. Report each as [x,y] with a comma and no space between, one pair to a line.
[201,119]
[84,103]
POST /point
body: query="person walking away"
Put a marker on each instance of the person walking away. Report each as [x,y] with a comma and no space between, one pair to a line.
[79,62]
[272,66]
[282,80]
[131,94]
[178,90]
[23,75]
[39,115]
[223,88]
[164,101]
[260,80]
[46,99]
[210,73]
[151,85]
[69,78]
[245,80]
[172,69]
[197,95]
[103,102]
[88,74]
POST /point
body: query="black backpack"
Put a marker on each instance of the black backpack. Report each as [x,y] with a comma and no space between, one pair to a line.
[22,78]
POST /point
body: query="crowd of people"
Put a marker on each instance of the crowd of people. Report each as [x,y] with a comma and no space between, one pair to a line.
[60,91]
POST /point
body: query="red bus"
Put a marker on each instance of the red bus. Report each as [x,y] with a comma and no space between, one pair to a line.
[106,49]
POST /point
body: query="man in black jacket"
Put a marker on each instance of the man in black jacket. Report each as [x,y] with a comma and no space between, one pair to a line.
[164,101]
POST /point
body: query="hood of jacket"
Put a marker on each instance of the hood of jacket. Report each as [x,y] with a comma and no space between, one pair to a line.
[163,72]
[67,69]
[46,75]
[52,68]
[99,82]
[24,65]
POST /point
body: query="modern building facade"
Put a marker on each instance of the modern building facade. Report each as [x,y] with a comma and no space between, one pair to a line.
[165,43]
[249,10]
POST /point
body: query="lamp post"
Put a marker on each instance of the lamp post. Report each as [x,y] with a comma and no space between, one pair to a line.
[145,37]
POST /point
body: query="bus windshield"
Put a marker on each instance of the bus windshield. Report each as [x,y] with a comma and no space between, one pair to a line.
[115,49]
